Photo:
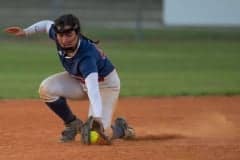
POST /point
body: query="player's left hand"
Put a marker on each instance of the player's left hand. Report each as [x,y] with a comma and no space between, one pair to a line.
[93,124]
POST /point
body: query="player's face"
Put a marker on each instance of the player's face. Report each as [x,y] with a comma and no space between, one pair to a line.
[67,39]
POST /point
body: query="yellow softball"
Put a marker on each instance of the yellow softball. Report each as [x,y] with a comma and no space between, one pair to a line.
[94,137]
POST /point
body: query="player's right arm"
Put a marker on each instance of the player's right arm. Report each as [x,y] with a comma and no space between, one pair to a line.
[41,26]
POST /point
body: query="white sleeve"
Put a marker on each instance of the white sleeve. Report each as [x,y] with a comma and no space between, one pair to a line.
[41,26]
[94,94]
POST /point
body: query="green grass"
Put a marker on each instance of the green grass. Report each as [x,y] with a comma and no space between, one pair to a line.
[170,66]
[23,66]
[179,68]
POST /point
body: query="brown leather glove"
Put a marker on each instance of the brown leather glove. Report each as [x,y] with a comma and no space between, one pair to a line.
[94,124]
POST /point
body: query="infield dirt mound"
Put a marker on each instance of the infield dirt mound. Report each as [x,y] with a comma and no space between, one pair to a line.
[167,128]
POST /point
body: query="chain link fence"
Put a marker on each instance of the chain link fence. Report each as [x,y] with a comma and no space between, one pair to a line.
[92,13]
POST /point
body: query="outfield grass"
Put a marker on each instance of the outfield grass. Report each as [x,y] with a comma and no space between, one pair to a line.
[155,67]
[179,68]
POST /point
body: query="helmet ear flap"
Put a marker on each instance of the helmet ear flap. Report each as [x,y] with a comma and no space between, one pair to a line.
[55,28]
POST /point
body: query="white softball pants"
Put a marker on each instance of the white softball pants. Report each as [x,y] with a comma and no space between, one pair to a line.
[63,85]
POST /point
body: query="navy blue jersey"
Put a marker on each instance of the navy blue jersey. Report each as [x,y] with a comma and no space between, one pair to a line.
[88,59]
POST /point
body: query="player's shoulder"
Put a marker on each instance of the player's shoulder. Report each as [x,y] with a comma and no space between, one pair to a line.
[87,46]
[52,33]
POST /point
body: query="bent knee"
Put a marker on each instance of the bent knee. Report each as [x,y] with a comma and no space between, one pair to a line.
[45,92]
[42,90]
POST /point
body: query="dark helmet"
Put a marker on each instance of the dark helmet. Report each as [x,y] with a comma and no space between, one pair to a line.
[72,21]
[67,20]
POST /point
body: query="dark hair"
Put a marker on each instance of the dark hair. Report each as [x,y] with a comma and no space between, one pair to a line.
[73,22]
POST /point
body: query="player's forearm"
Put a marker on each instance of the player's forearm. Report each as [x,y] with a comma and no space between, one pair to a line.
[94,94]
[41,26]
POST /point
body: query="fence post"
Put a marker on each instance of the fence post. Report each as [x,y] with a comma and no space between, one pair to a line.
[139,20]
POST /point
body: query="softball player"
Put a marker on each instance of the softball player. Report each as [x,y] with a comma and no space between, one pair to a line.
[88,74]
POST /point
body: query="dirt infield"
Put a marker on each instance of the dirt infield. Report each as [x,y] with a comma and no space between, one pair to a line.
[196,128]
